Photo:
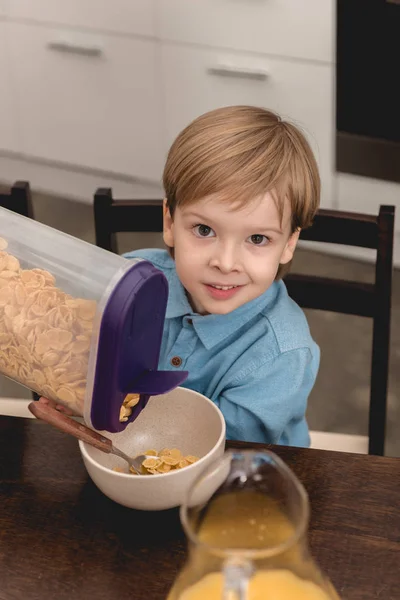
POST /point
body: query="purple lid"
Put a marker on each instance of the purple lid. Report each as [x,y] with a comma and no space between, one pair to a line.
[129,347]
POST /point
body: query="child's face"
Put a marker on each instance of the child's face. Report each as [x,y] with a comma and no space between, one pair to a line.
[219,246]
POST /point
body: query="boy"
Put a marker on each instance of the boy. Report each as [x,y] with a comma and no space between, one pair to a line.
[240,184]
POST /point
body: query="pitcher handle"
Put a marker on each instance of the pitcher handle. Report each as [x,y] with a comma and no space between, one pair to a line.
[237,573]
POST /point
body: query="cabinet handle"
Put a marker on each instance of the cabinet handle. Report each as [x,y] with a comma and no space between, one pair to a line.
[241,72]
[71,48]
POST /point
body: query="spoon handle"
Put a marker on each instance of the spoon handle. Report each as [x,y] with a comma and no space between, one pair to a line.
[61,421]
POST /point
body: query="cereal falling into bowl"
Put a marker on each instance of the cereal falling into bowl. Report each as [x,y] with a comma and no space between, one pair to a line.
[128,404]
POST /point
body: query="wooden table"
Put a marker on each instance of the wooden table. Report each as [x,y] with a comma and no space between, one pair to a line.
[61,539]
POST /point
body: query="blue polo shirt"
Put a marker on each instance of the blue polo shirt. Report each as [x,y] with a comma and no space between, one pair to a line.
[257,363]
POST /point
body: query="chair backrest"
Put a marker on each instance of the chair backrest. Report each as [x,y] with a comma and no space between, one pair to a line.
[371,300]
[356,298]
[19,199]
[118,216]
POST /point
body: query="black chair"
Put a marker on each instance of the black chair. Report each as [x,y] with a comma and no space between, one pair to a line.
[371,300]
[112,217]
[19,200]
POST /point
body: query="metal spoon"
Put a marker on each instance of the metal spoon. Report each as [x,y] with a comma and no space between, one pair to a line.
[50,415]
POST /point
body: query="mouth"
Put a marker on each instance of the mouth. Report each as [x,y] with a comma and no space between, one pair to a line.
[222,292]
[223,287]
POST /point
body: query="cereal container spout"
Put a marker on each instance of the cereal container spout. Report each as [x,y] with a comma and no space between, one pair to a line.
[80,325]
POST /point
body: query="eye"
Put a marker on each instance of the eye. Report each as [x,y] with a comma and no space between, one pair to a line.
[203,231]
[259,240]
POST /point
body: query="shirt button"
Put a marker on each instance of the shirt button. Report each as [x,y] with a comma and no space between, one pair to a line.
[176,361]
[190,321]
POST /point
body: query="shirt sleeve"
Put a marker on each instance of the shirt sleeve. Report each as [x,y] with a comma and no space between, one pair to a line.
[268,403]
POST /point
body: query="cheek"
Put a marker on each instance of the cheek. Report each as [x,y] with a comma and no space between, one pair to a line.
[263,272]
[262,264]
[183,237]
[187,260]
[191,249]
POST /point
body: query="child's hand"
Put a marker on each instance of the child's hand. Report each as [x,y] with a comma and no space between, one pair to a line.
[58,407]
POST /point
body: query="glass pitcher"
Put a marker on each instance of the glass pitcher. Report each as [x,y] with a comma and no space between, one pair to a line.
[246,520]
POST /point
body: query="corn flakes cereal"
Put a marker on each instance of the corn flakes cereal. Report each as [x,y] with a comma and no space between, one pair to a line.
[165,461]
[129,402]
[124,414]
[170,460]
[151,463]
[151,452]
[191,459]
[45,334]
[164,468]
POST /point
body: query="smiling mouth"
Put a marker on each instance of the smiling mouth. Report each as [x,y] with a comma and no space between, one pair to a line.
[223,287]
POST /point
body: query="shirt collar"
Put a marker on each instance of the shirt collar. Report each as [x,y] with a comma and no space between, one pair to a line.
[178,303]
[213,329]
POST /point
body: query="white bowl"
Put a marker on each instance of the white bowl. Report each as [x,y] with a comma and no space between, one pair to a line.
[181,419]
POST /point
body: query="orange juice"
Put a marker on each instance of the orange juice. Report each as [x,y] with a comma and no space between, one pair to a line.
[248,537]
[252,522]
[245,520]
[278,584]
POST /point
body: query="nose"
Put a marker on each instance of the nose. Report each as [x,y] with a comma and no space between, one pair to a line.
[225,257]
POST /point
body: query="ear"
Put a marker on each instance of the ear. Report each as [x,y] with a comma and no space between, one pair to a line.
[168,226]
[290,247]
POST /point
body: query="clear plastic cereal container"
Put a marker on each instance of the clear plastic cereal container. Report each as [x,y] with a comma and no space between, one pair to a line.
[80,325]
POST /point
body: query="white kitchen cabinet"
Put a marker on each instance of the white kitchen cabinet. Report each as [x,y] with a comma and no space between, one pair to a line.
[88,100]
[364,194]
[301,29]
[128,16]
[8,129]
[198,80]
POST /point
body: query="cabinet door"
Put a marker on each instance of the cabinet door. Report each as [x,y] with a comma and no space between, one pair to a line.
[198,80]
[132,16]
[293,28]
[88,100]
[8,132]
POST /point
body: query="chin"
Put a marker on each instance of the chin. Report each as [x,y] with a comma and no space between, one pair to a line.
[220,309]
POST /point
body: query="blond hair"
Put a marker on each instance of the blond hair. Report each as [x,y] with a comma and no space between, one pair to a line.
[239,153]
